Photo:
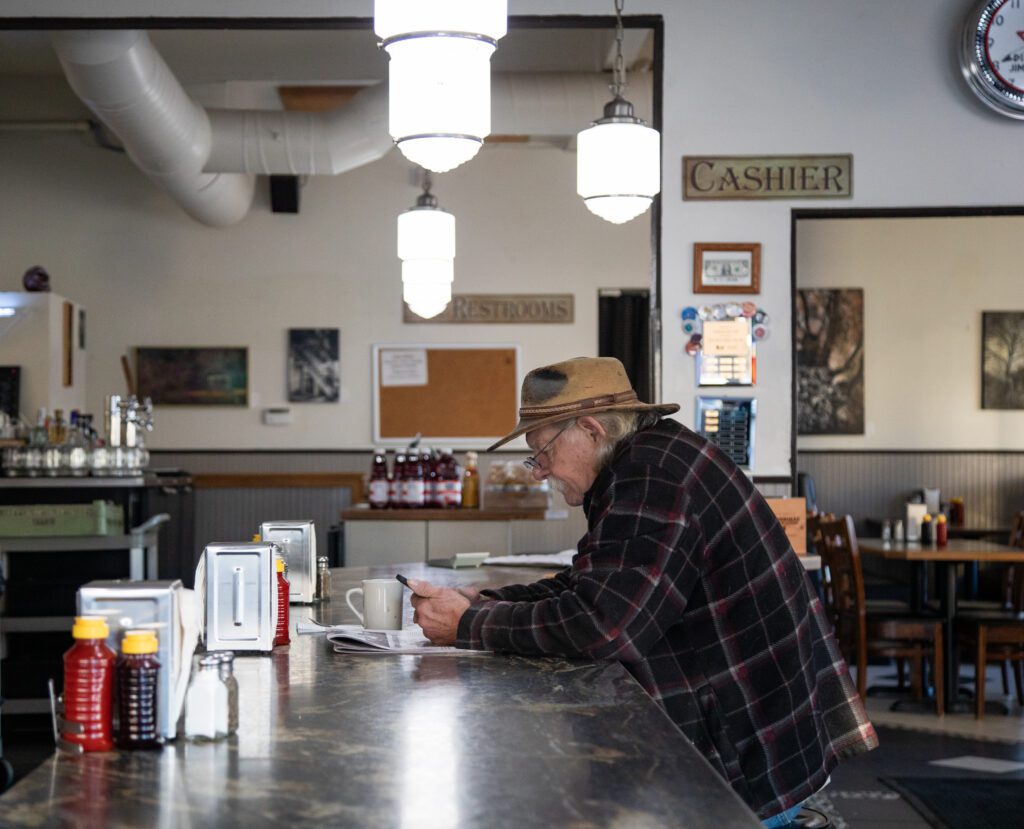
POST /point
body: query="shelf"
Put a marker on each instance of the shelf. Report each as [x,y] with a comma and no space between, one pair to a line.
[71,483]
[35,624]
[366,514]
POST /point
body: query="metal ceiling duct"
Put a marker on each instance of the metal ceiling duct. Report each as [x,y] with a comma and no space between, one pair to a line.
[208,159]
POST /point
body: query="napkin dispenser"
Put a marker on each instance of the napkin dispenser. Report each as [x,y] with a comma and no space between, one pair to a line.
[297,540]
[147,605]
[241,596]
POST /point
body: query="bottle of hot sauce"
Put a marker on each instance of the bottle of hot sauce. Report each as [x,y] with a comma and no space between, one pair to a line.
[89,684]
[396,493]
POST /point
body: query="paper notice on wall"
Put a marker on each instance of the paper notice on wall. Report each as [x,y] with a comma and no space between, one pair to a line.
[403,367]
[727,338]
[792,514]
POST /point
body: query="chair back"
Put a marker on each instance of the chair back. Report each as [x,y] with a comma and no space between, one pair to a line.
[843,581]
[1014,577]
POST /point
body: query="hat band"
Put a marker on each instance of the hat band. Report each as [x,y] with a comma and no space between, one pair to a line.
[578,405]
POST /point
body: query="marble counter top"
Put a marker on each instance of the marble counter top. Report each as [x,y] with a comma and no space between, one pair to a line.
[403,741]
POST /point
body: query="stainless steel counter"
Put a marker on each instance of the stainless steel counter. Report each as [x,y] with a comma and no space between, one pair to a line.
[403,741]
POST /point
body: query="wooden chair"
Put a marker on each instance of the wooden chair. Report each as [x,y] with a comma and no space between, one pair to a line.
[897,636]
[998,633]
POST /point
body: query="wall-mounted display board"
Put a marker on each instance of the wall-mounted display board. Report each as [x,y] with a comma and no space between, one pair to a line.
[729,424]
[461,394]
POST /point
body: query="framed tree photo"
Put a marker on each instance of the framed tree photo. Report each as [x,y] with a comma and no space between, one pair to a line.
[1002,360]
[727,268]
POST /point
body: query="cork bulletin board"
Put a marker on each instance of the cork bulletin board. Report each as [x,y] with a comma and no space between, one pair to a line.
[463,394]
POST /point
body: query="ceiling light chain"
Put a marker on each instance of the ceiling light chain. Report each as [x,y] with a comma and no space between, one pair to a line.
[618,158]
[618,68]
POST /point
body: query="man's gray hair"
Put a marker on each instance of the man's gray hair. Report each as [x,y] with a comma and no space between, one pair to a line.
[619,426]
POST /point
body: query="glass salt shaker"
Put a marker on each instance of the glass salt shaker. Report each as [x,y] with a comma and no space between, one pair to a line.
[227,674]
[886,531]
[206,703]
[323,580]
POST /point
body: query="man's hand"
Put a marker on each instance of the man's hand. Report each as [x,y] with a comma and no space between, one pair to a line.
[437,611]
[471,593]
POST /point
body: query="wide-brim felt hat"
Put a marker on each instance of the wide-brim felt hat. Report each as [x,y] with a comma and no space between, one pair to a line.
[574,388]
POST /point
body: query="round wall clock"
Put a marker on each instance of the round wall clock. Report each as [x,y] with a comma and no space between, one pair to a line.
[992,55]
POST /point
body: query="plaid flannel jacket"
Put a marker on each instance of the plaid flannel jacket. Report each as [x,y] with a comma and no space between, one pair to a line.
[687,578]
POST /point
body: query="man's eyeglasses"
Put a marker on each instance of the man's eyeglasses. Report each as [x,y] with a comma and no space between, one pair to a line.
[533,462]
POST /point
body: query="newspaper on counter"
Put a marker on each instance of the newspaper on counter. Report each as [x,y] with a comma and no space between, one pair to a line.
[357,639]
[560,559]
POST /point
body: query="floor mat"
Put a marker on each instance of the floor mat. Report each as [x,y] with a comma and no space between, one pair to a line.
[962,803]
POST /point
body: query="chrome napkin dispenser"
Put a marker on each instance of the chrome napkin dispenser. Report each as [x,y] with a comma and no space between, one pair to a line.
[241,596]
[297,540]
[146,605]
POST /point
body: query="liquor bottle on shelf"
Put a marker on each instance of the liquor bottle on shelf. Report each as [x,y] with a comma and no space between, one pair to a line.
[379,481]
[471,483]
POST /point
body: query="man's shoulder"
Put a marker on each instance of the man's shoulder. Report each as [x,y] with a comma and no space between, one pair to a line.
[667,442]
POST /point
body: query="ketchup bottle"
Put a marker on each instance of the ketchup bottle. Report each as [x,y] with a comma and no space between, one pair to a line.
[397,491]
[281,633]
[414,484]
[452,482]
[432,492]
[137,673]
[379,485]
[89,684]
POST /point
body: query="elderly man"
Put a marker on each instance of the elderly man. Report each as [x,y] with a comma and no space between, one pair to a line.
[684,576]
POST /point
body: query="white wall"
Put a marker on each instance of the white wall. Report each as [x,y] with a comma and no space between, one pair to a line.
[926,283]
[152,276]
[871,77]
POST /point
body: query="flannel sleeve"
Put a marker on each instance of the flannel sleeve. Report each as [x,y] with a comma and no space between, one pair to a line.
[629,583]
[541,589]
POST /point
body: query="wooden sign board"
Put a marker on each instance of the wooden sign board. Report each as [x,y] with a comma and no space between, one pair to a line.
[792,514]
[767,177]
[501,308]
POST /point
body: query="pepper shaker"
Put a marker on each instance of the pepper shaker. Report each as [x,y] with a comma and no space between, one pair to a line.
[323,580]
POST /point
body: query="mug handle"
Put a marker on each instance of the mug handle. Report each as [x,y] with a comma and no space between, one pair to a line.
[348,601]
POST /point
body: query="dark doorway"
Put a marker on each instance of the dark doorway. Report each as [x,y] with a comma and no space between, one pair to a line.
[624,331]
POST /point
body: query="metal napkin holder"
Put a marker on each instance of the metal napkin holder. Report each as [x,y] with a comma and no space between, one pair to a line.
[241,596]
[297,540]
[61,725]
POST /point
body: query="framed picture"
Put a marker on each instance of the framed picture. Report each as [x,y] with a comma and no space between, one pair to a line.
[194,376]
[829,335]
[1002,360]
[727,268]
[314,373]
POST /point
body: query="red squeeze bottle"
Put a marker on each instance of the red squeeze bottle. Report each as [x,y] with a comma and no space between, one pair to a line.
[281,633]
[89,684]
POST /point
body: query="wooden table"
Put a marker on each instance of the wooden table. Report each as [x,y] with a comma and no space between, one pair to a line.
[957,551]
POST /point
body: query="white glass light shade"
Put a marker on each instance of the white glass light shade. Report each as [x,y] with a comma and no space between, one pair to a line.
[485,17]
[426,246]
[427,285]
[439,99]
[618,169]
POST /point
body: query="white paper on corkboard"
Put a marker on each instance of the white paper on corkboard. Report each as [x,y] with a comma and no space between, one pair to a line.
[792,514]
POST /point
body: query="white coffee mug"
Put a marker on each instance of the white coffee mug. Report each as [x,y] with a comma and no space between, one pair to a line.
[382,604]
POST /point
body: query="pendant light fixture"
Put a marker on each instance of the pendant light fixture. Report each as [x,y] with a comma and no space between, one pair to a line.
[426,246]
[439,75]
[618,158]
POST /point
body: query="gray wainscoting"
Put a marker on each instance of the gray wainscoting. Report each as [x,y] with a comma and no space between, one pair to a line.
[877,484]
